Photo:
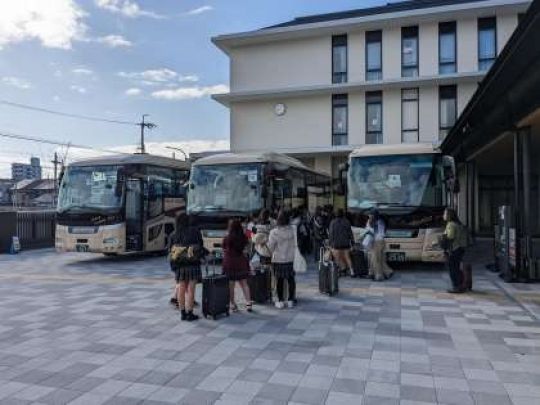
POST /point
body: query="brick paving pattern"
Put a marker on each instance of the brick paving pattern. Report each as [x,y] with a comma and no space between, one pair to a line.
[82,329]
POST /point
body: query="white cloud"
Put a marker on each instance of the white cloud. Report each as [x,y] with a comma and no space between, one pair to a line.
[56,98]
[186,93]
[134,91]
[114,41]
[200,10]
[56,24]
[78,89]
[83,71]
[127,8]
[188,78]
[16,82]
[151,76]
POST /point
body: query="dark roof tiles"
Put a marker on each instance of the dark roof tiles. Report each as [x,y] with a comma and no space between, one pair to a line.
[364,12]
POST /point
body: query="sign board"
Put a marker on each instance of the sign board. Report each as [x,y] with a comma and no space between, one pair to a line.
[15,245]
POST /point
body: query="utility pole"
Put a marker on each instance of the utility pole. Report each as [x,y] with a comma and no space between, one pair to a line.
[55,162]
[144,125]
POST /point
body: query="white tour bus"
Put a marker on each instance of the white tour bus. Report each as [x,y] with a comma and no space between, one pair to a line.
[119,204]
[410,185]
[229,185]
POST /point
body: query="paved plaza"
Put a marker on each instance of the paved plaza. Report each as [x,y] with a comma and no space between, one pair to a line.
[84,329]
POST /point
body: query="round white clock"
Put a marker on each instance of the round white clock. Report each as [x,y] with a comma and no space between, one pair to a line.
[280,109]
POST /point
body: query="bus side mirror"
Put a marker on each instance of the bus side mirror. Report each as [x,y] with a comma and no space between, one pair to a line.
[342,179]
[450,174]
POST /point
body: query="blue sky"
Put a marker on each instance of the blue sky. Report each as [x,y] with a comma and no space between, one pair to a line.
[120,58]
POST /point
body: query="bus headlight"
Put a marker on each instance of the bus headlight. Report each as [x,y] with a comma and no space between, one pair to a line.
[110,241]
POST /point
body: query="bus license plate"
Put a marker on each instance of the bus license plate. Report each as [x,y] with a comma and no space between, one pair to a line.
[396,256]
[81,248]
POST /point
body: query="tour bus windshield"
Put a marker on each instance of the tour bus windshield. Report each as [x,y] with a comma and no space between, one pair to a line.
[90,188]
[225,188]
[395,181]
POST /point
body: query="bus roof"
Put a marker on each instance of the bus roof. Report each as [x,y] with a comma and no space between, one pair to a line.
[135,159]
[253,157]
[395,149]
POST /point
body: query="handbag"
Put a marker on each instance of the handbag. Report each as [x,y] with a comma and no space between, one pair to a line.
[299,264]
[255,262]
[368,241]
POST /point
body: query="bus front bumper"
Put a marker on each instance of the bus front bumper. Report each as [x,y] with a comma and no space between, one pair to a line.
[93,239]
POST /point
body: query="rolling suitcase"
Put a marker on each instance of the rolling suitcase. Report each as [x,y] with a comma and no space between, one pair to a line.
[215,295]
[328,276]
[359,262]
[466,268]
[260,286]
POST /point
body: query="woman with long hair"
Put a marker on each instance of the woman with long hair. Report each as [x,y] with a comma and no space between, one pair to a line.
[186,267]
[235,262]
[282,244]
[455,241]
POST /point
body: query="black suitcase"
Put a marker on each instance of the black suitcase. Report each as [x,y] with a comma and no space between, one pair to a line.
[359,262]
[328,276]
[260,286]
[215,295]
[466,269]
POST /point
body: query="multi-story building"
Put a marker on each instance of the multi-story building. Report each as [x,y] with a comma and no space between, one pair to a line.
[318,86]
[24,171]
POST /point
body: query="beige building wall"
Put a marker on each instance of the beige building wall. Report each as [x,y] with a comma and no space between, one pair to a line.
[428,35]
[506,25]
[391,51]
[307,123]
[357,59]
[429,114]
[282,64]
[467,45]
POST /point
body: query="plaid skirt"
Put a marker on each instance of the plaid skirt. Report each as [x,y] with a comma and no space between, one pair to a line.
[283,270]
[187,273]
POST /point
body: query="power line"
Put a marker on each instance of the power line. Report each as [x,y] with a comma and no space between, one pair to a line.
[63,114]
[57,143]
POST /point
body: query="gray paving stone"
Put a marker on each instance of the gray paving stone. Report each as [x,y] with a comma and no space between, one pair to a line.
[60,397]
[312,396]
[98,326]
[277,392]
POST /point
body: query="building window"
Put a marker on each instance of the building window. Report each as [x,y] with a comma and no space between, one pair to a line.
[487,42]
[339,59]
[409,115]
[374,117]
[447,109]
[340,113]
[447,48]
[374,55]
[409,52]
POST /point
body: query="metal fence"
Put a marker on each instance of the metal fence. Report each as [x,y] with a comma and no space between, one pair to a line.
[36,229]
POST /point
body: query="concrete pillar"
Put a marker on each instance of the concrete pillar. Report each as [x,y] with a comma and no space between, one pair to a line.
[525,135]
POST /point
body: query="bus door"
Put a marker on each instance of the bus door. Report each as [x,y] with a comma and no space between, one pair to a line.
[134,215]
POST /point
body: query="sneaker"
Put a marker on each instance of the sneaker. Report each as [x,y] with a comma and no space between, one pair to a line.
[280,304]
[290,304]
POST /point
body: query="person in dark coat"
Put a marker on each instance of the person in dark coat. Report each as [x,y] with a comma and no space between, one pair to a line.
[235,262]
[341,239]
[187,275]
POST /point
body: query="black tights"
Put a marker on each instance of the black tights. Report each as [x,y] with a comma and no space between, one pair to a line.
[292,287]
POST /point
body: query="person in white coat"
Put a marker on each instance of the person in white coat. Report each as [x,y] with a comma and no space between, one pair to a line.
[282,245]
